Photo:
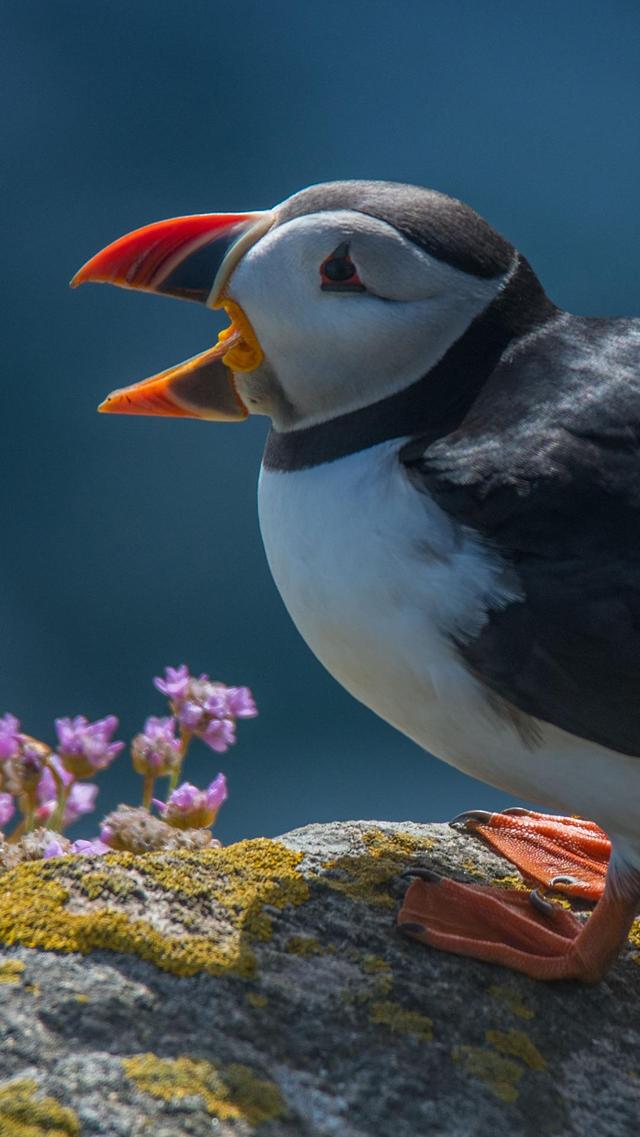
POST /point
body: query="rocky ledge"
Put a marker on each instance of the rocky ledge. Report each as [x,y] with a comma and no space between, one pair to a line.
[263,988]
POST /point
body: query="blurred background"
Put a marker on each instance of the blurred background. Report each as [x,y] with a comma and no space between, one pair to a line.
[131,543]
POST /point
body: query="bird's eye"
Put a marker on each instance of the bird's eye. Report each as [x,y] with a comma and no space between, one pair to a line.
[338,273]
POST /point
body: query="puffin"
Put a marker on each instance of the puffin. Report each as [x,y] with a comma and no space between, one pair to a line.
[449,501]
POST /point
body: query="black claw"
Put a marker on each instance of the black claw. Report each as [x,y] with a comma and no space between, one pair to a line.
[414,929]
[564,880]
[541,903]
[516,810]
[423,873]
[482,815]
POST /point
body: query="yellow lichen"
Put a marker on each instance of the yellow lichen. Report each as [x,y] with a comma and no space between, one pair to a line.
[380,969]
[634,938]
[513,1000]
[401,1021]
[472,868]
[229,1093]
[512,881]
[500,1075]
[24,1113]
[255,999]
[305,946]
[97,884]
[495,1067]
[238,880]
[11,970]
[515,1044]
[375,965]
[367,877]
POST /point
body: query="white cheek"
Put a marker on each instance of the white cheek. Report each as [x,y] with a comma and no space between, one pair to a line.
[334,352]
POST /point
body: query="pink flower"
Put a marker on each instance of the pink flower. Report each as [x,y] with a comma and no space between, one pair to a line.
[175,681]
[86,747]
[219,734]
[54,849]
[94,848]
[191,808]
[206,708]
[156,751]
[81,798]
[7,808]
[241,703]
[9,736]
[22,772]
[106,836]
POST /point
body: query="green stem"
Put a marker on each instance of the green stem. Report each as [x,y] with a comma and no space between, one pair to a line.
[28,807]
[148,783]
[57,818]
[186,737]
[17,833]
[55,821]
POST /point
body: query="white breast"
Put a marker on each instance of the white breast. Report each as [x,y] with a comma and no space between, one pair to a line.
[377,578]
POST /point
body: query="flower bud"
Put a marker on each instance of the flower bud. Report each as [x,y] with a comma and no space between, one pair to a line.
[86,747]
[191,808]
[156,751]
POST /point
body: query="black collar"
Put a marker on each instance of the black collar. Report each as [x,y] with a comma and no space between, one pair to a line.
[434,405]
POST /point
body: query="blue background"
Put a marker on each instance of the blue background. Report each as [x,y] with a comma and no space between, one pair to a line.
[131,543]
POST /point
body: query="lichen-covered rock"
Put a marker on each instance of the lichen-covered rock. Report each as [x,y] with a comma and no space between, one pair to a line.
[263,989]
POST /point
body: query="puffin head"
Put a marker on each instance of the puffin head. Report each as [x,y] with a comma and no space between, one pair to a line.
[341,296]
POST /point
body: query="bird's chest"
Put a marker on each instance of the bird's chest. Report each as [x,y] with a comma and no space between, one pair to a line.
[378,581]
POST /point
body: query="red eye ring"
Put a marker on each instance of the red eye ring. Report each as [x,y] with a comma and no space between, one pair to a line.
[338,272]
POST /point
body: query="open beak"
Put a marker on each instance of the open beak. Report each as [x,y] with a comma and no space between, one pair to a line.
[190,258]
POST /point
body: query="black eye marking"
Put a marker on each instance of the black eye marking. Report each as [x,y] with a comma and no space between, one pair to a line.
[338,273]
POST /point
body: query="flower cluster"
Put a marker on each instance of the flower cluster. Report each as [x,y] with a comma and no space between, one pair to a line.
[86,747]
[43,791]
[204,708]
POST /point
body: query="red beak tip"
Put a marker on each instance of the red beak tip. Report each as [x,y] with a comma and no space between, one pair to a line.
[80,277]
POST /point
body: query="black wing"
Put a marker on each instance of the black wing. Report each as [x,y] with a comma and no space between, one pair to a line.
[547,468]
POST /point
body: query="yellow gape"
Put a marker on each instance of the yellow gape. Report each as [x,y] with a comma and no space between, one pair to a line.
[246,354]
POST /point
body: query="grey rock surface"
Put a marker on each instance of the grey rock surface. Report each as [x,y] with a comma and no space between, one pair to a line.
[344,1028]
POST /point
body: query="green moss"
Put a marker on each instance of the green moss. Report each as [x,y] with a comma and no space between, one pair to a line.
[240,880]
[401,1021]
[11,971]
[305,946]
[366,878]
[515,1044]
[511,997]
[500,1075]
[229,1093]
[23,1113]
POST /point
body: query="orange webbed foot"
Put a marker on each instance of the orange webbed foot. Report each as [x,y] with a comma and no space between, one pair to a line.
[500,926]
[520,930]
[565,853]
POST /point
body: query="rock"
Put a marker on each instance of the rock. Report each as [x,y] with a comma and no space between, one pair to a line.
[263,988]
